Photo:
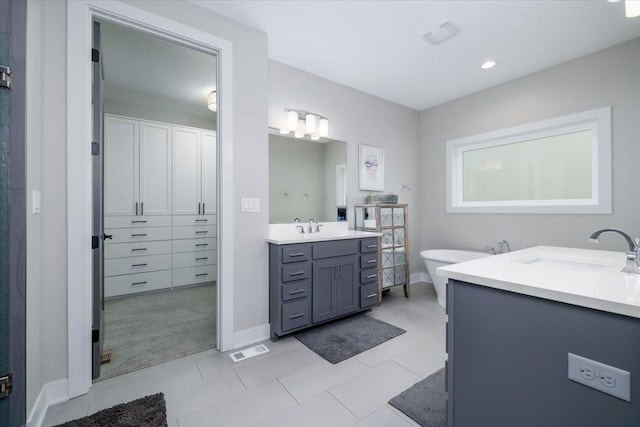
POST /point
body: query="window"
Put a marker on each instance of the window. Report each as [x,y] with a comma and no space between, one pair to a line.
[561,165]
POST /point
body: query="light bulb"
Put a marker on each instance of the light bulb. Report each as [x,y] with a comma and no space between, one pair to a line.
[292,120]
[323,128]
[310,123]
[211,101]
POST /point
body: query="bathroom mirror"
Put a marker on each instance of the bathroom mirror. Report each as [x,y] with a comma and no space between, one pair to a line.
[307,179]
[561,165]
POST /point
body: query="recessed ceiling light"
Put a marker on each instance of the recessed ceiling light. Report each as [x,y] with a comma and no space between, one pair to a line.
[488,64]
[441,33]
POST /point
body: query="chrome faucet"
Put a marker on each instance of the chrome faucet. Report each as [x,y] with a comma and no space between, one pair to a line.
[313,221]
[633,255]
[502,244]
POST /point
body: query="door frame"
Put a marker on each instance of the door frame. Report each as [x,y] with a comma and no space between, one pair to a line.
[80,15]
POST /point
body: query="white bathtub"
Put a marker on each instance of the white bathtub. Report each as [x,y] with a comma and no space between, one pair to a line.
[435,258]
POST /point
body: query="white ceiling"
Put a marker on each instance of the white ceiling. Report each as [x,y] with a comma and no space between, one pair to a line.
[377,46]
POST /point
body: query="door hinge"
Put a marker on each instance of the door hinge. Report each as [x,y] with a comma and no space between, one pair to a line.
[95,149]
[5,77]
[6,385]
[95,242]
[95,55]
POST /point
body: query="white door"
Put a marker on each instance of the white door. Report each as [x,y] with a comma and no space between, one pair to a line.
[208,163]
[121,172]
[155,169]
[186,171]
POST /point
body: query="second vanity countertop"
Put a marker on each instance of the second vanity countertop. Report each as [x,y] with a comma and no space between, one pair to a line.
[582,277]
[283,234]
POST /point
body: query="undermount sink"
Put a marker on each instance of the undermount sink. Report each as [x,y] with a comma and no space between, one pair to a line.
[565,262]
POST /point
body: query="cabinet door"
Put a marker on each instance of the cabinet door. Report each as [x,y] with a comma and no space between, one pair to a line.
[208,162]
[186,171]
[347,285]
[121,161]
[155,169]
[324,290]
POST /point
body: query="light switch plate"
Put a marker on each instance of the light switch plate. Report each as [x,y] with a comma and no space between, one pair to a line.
[249,205]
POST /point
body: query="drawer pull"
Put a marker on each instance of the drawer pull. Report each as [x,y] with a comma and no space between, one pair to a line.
[202,232]
[202,274]
[372,246]
[138,249]
[138,283]
[371,261]
[139,221]
[371,276]
[139,265]
[295,316]
[297,273]
[371,295]
[202,258]
[299,291]
[202,220]
[297,254]
[139,235]
[201,244]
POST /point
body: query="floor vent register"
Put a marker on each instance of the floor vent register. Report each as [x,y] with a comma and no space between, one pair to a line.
[249,352]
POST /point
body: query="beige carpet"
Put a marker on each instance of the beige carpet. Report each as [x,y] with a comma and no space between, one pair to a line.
[150,329]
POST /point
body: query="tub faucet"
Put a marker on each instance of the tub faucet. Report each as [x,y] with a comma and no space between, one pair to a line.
[633,255]
[504,244]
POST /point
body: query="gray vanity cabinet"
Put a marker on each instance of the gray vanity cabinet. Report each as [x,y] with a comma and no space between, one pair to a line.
[336,288]
[311,283]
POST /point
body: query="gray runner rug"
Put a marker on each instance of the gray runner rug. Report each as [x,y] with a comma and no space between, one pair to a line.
[149,411]
[344,338]
[425,402]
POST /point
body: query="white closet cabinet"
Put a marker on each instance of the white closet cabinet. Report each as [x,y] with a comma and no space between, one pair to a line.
[137,170]
[194,171]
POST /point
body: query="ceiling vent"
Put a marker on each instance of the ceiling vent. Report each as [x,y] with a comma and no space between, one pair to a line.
[441,33]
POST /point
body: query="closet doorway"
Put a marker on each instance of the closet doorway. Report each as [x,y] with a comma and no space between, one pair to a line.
[155,290]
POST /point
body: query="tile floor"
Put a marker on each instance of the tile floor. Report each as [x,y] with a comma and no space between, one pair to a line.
[290,385]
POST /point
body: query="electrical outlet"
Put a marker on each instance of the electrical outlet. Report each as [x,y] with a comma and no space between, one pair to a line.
[599,376]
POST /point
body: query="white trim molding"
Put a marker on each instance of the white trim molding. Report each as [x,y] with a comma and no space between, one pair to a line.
[80,14]
[595,196]
[51,393]
[251,336]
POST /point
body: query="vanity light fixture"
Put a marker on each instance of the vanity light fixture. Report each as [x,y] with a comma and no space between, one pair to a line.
[488,64]
[212,102]
[305,123]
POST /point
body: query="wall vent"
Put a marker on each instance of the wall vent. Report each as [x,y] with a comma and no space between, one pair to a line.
[249,352]
[106,357]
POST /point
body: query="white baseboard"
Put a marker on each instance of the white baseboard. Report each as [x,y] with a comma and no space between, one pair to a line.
[419,277]
[50,394]
[250,336]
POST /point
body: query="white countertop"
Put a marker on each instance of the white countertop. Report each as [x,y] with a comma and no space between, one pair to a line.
[582,277]
[284,234]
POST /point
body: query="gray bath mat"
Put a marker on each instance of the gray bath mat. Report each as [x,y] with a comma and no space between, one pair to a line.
[425,402]
[149,411]
[344,338]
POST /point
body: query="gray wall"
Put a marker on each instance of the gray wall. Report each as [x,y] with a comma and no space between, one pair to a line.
[608,77]
[357,118]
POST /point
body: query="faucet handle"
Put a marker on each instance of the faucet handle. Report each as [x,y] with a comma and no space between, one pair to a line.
[318,227]
[301,228]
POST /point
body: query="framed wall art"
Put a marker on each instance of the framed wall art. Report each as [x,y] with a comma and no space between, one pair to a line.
[371,168]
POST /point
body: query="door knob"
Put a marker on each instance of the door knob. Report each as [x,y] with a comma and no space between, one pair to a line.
[107,236]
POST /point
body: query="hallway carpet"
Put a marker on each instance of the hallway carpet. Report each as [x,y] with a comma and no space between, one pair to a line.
[150,329]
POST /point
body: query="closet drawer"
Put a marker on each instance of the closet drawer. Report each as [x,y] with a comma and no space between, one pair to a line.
[193,259]
[369,275]
[369,245]
[194,232]
[297,271]
[296,253]
[369,260]
[137,221]
[294,290]
[192,275]
[121,250]
[138,264]
[181,220]
[137,234]
[134,283]
[190,245]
